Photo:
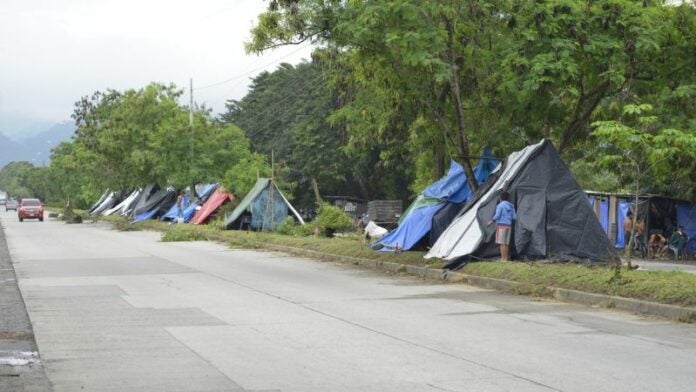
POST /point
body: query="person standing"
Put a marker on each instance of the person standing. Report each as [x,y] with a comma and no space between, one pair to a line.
[503,218]
[628,228]
[180,207]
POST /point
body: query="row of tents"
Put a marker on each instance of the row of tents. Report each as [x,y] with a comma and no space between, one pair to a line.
[263,208]
[554,219]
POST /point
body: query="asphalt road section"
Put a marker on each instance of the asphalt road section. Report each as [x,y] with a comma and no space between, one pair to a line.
[121,311]
[20,366]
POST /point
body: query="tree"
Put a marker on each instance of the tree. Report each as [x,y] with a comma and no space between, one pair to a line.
[636,148]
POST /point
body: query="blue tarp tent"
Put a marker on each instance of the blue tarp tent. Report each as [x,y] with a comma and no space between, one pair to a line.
[686,218]
[173,212]
[452,188]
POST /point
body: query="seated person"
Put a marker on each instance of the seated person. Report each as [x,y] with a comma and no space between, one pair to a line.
[656,245]
[677,241]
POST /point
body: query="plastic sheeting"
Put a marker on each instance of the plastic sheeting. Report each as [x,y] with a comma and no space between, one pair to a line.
[257,201]
[218,198]
[173,213]
[158,204]
[123,207]
[418,218]
[103,197]
[686,218]
[604,214]
[205,190]
[554,219]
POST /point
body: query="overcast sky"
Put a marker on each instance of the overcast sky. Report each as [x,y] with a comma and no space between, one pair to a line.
[52,52]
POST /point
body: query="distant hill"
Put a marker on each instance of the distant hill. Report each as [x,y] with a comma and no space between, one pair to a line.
[37,148]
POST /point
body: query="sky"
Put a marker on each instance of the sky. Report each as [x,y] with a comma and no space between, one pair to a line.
[52,52]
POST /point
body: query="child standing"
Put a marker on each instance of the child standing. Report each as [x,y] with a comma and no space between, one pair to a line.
[504,216]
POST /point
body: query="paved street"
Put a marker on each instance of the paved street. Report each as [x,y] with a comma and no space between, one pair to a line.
[121,311]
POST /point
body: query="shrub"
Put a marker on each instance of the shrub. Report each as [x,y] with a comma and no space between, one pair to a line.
[287,227]
[332,219]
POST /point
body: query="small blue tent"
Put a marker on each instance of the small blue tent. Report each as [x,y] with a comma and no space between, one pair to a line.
[188,210]
[450,189]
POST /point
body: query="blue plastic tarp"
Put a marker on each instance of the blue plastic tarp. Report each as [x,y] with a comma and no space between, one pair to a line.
[208,190]
[173,212]
[624,209]
[686,218]
[145,215]
[604,215]
[412,229]
[452,188]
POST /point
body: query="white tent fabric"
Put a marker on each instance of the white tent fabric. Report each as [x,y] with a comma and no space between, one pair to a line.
[291,208]
[464,235]
[106,204]
[123,206]
[375,231]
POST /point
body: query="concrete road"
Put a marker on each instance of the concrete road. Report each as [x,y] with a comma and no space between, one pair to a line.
[120,311]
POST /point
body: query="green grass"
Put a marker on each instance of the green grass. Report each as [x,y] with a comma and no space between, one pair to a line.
[678,288]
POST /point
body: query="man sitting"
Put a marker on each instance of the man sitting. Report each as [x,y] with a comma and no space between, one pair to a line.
[656,245]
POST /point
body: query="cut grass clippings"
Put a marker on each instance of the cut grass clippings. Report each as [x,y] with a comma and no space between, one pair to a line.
[675,288]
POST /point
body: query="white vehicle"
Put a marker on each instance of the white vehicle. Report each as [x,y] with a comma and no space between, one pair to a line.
[3,198]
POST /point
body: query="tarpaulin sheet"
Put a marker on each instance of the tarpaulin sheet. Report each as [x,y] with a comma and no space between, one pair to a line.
[173,213]
[604,214]
[418,218]
[145,215]
[260,219]
[686,218]
[554,219]
[412,230]
[218,198]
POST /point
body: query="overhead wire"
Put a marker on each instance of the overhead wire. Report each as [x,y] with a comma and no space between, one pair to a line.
[253,70]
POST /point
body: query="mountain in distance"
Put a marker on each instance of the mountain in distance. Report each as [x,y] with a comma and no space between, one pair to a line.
[35,149]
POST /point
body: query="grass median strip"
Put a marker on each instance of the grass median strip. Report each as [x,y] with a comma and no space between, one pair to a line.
[675,288]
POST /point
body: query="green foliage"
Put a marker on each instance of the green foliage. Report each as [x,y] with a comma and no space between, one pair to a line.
[331,219]
[287,227]
[433,80]
[184,233]
[286,112]
[128,139]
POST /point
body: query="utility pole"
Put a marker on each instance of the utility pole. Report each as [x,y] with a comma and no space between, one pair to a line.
[191,157]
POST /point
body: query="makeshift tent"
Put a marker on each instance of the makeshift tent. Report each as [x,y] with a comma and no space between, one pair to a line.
[554,219]
[103,197]
[452,188]
[123,207]
[155,205]
[175,212]
[148,191]
[217,199]
[686,218]
[109,202]
[264,214]
[204,191]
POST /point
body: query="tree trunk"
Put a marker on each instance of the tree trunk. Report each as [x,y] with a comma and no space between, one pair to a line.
[454,82]
[439,162]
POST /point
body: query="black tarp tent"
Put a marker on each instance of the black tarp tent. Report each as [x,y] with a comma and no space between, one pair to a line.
[554,219]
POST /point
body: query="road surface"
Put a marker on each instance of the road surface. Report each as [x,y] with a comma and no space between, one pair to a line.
[121,311]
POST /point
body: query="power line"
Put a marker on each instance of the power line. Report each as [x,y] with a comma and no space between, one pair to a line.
[253,70]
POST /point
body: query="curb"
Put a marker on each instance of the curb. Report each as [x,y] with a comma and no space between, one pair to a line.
[671,312]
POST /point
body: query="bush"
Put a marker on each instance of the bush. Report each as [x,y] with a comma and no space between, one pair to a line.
[332,219]
[287,227]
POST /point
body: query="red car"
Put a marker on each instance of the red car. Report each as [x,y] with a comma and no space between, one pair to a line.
[30,209]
